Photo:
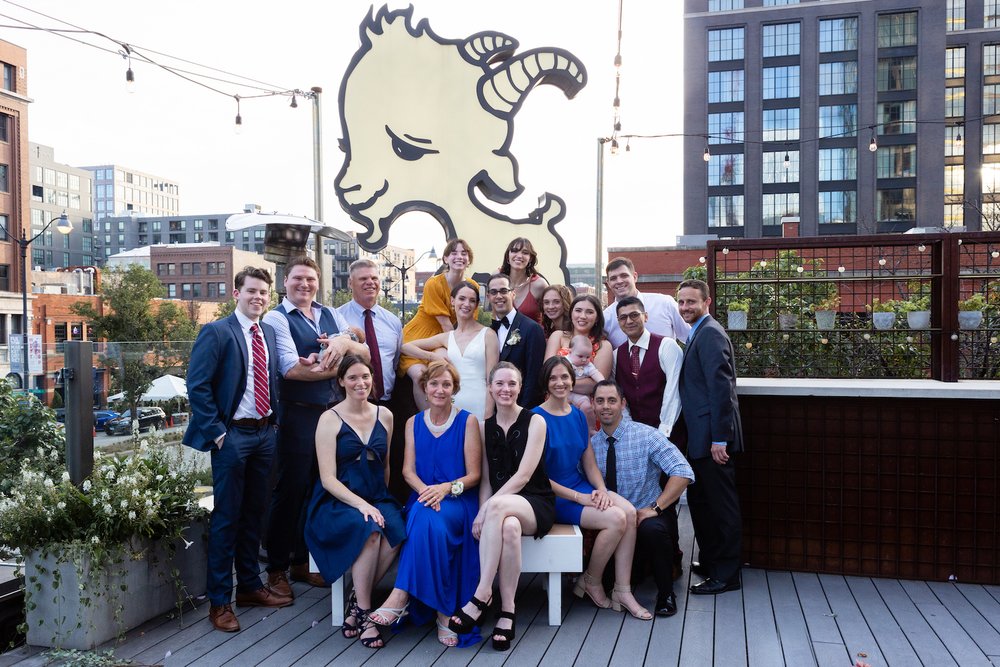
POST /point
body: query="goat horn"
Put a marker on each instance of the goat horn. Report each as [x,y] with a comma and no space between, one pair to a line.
[484,48]
[504,89]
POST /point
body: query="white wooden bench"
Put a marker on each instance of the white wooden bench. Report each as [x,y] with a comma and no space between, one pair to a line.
[559,551]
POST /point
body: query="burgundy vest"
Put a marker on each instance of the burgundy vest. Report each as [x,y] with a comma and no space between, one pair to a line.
[645,393]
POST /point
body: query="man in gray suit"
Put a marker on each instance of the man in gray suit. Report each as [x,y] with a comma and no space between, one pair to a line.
[712,415]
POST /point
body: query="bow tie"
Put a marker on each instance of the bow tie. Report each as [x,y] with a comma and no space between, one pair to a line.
[504,321]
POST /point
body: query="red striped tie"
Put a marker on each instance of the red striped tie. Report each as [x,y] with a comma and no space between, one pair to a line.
[261,394]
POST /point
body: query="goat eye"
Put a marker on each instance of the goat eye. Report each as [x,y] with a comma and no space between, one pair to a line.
[405,149]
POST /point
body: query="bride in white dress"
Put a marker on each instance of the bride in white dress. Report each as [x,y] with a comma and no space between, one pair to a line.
[471,348]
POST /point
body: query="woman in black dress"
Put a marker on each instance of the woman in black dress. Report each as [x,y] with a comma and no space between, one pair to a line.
[517,501]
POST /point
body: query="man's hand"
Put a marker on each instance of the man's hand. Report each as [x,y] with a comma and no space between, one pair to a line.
[336,348]
[643,514]
[719,454]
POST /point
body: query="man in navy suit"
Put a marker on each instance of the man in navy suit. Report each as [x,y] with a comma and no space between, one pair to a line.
[522,341]
[232,387]
[711,412]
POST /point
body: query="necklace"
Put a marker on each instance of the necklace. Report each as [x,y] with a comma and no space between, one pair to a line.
[439,429]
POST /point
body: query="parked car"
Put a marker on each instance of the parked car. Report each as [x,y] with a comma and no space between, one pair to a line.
[148,418]
[102,417]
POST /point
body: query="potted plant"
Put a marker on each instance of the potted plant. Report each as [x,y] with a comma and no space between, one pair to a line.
[918,311]
[111,554]
[883,313]
[826,312]
[970,312]
[788,311]
[738,310]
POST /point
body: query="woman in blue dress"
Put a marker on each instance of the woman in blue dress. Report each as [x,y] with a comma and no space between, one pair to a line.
[353,522]
[439,563]
[581,495]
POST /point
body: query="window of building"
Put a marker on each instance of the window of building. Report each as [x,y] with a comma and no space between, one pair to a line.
[213,290]
[4,127]
[4,178]
[781,82]
[4,226]
[9,80]
[781,39]
[897,73]
[87,225]
[4,277]
[990,175]
[171,291]
[725,211]
[177,238]
[838,35]
[896,161]
[725,169]
[897,204]
[725,128]
[897,117]
[954,62]
[897,29]
[185,268]
[991,14]
[955,15]
[62,180]
[838,164]
[991,139]
[725,44]
[725,86]
[724,5]
[778,3]
[778,205]
[991,99]
[74,182]
[838,121]
[954,101]
[196,269]
[838,78]
[954,179]
[195,290]
[777,170]
[954,215]
[991,63]
[954,143]
[222,289]
[781,124]
[155,226]
[177,225]
[37,193]
[838,207]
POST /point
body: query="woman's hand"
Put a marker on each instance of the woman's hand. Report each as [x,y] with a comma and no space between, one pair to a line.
[371,512]
[477,524]
[433,494]
[600,499]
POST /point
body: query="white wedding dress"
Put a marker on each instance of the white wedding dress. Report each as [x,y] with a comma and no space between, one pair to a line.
[471,368]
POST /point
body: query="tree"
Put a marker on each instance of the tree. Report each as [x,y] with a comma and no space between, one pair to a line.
[145,337]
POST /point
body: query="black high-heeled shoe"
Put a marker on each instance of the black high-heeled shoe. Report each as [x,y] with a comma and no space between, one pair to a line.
[355,612]
[508,635]
[466,623]
[366,625]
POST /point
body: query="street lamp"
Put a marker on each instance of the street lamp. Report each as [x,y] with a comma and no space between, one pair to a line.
[63,226]
[402,272]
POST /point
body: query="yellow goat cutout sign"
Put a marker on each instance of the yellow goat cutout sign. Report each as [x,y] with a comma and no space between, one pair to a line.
[427,120]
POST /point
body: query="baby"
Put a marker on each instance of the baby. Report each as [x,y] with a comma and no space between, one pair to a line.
[580,353]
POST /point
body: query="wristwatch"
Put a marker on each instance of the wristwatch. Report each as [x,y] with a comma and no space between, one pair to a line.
[456,488]
[656,508]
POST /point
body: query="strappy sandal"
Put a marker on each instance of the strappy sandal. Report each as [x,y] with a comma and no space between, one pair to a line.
[507,634]
[580,589]
[352,611]
[466,623]
[366,625]
[386,612]
[641,613]
[446,637]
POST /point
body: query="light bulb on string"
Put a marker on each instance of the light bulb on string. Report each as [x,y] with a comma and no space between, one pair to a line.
[239,118]
[614,147]
[707,156]
[129,80]
[628,145]
[958,139]
[295,102]
[787,161]
[872,145]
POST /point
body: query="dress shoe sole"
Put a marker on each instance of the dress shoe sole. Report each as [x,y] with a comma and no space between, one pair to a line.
[222,629]
[275,602]
[702,590]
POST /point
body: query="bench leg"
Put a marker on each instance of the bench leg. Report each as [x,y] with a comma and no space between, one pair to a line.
[337,602]
[555,598]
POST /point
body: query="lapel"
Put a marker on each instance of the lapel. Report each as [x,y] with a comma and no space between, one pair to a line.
[505,350]
[690,344]
[241,343]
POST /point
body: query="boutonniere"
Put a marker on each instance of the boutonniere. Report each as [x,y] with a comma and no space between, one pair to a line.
[514,338]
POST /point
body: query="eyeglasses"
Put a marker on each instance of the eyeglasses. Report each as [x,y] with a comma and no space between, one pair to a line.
[630,317]
[502,291]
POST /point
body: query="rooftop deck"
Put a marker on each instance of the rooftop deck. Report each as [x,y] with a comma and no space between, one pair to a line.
[778,618]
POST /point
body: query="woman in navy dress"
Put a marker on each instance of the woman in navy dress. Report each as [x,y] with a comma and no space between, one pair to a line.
[517,501]
[353,522]
[439,563]
[581,495]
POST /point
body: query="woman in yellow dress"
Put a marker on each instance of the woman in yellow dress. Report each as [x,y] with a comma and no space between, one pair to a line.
[436,314]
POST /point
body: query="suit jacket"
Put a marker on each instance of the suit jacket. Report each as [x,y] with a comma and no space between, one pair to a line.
[709,405]
[217,379]
[527,355]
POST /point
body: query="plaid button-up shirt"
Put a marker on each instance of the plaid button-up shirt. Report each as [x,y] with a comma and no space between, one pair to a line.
[641,452]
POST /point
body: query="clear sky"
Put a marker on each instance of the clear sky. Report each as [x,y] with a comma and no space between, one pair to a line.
[178,130]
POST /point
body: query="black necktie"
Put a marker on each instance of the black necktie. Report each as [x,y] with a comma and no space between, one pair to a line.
[611,477]
[495,325]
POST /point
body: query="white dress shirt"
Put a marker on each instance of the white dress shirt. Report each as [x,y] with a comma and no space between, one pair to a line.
[671,357]
[388,331]
[288,354]
[664,319]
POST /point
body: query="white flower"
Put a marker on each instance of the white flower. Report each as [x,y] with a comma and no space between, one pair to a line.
[131,515]
[86,486]
[107,508]
[149,503]
[95,540]
[61,505]
[49,483]
[124,504]
[54,454]
[65,476]
[159,478]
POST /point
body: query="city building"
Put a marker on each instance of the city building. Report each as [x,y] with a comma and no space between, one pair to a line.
[122,190]
[854,116]
[13,195]
[58,188]
[192,271]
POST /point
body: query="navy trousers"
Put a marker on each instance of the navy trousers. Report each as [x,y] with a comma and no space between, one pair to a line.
[239,476]
[715,514]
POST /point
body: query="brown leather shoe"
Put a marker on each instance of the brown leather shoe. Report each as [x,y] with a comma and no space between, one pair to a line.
[223,618]
[262,597]
[302,573]
[278,583]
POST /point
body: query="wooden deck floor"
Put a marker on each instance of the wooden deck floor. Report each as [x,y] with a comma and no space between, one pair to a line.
[779,618]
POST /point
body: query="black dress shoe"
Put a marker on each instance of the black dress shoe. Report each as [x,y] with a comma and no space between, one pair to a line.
[666,605]
[715,586]
[699,569]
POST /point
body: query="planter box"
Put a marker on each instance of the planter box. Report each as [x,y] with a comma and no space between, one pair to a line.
[62,617]
[918,319]
[737,320]
[969,319]
[883,321]
[787,321]
[825,319]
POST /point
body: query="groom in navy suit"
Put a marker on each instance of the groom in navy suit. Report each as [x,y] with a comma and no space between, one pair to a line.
[232,387]
[522,341]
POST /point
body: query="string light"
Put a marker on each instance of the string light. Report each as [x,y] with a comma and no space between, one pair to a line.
[129,75]
[295,103]
[707,156]
[239,118]
[872,146]
[614,147]
[958,138]
[787,161]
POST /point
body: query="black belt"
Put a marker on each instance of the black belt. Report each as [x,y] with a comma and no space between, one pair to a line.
[311,406]
[256,424]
